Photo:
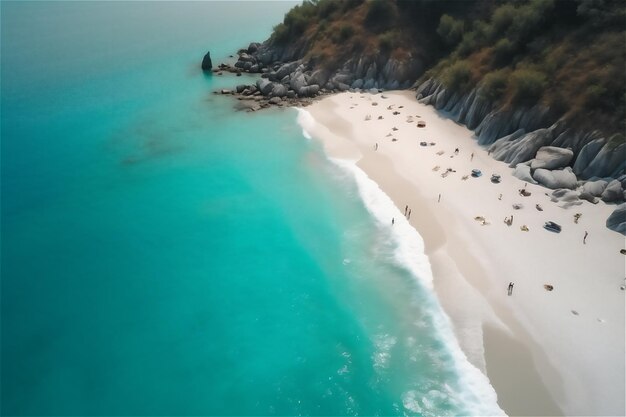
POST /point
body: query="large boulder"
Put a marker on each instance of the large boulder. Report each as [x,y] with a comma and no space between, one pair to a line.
[297,81]
[592,190]
[551,157]
[595,188]
[613,192]
[517,148]
[617,219]
[565,198]
[286,69]
[253,47]
[522,171]
[563,178]
[308,91]
[265,86]
[609,162]
[207,65]
[279,90]
[319,77]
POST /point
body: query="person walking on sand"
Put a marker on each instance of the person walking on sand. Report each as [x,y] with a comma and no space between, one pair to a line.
[472,157]
[376,146]
[585,238]
[406,208]
[409,215]
[510,289]
[393,220]
[439,199]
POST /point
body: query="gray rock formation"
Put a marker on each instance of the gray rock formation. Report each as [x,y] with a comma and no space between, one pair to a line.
[286,69]
[592,190]
[278,90]
[308,91]
[207,65]
[297,81]
[522,171]
[563,178]
[551,157]
[265,86]
[565,198]
[517,147]
[613,192]
[609,162]
[617,219]
[275,100]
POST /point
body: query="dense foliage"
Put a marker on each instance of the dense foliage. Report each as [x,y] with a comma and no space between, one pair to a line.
[568,55]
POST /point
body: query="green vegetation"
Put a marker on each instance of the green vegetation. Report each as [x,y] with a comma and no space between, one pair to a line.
[457,76]
[494,84]
[568,55]
[528,85]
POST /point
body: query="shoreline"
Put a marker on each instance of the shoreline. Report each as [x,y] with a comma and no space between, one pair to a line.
[531,346]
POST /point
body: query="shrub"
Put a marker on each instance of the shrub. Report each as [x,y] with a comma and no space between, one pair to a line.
[326,7]
[502,17]
[380,15]
[503,51]
[529,20]
[280,34]
[457,76]
[494,84]
[388,41]
[450,29]
[468,45]
[595,94]
[344,33]
[350,4]
[528,85]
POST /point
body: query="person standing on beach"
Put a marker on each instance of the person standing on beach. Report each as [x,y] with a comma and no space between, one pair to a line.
[472,157]
[439,199]
[510,289]
[406,208]
[376,146]
[409,215]
[585,238]
[393,220]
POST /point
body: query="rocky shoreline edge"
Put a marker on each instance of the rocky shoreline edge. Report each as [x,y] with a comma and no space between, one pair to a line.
[576,166]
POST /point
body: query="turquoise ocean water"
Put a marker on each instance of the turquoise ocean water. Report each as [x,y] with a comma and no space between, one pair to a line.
[164,255]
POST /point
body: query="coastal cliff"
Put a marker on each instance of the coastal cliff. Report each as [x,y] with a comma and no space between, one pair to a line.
[528,77]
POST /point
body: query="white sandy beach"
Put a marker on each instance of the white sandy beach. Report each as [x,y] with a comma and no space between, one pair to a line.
[545,352]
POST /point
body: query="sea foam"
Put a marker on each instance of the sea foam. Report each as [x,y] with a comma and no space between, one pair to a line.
[477,396]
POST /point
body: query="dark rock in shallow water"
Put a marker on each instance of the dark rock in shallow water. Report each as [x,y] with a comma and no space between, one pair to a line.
[206,62]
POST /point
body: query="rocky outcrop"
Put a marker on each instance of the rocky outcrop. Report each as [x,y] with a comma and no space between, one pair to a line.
[613,192]
[592,190]
[207,65]
[551,157]
[565,198]
[522,172]
[516,135]
[563,178]
[617,219]
[610,161]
